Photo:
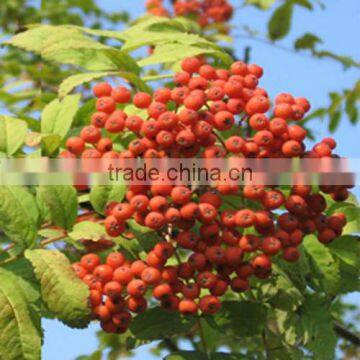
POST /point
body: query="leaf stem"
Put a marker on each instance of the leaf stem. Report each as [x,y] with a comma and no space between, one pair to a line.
[53,239]
[156,77]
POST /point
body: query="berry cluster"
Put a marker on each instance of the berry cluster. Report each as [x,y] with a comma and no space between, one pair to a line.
[217,249]
[204,11]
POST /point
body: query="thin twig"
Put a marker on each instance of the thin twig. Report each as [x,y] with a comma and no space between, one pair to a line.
[53,239]
[220,140]
[347,334]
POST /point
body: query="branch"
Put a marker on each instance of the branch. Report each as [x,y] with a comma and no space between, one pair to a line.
[347,334]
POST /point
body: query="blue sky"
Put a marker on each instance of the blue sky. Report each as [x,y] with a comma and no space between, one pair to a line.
[338,26]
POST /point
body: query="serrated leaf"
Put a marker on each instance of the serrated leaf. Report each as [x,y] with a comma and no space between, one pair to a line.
[35,38]
[346,61]
[307,41]
[90,55]
[103,33]
[352,214]
[349,278]
[136,38]
[102,194]
[64,294]
[12,134]
[19,215]
[69,45]
[75,80]
[305,3]
[88,230]
[317,327]
[58,116]
[83,114]
[347,248]
[170,52]
[146,237]
[280,22]
[26,280]
[49,233]
[286,322]
[334,123]
[21,333]
[262,4]
[298,272]
[241,318]
[288,297]
[133,110]
[157,323]
[325,264]
[50,143]
[61,203]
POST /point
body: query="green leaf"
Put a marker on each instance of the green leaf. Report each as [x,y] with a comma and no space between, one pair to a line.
[58,116]
[102,194]
[49,233]
[241,318]
[137,38]
[297,273]
[103,33]
[186,355]
[351,103]
[21,333]
[346,61]
[146,237]
[12,134]
[286,322]
[36,38]
[317,327]
[68,45]
[262,4]
[325,265]
[88,230]
[353,220]
[172,52]
[334,123]
[349,278]
[61,203]
[288,297]
[50,143]
[304,3]
[26,280]
[335,111]
[19,214]
[83,115]
[75,80]
[90,55]
[133,110]
[307,41]
[157,323]
[280,22]
[347,248]
[62,291]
